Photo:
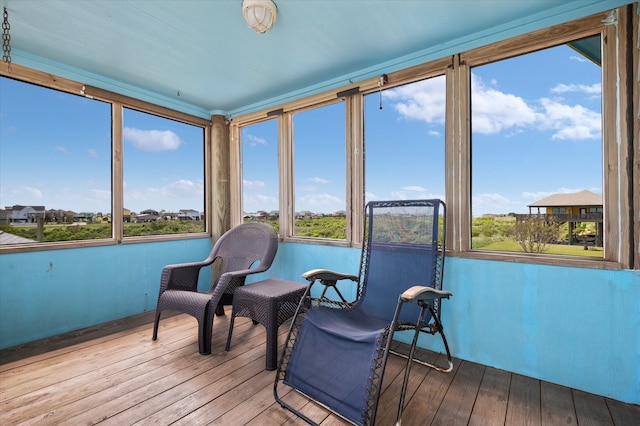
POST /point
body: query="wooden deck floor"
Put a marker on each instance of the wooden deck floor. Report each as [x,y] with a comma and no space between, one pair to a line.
[114,374]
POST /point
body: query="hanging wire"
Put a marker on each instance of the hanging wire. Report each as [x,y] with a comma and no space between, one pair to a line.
[6,39]
[383,80]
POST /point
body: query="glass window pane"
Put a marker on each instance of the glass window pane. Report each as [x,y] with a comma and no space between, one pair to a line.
[55,165]
[319,137]
[405,142]
[163,167]
[537,152]
[260,194]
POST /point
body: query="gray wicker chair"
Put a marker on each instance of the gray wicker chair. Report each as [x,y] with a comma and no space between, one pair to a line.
[243,250]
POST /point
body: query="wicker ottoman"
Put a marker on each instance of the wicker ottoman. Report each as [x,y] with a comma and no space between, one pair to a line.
[269,302]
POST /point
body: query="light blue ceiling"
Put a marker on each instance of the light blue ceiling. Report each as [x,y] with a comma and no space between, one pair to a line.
[200,57]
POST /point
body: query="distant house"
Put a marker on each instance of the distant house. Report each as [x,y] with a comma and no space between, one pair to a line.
[148,215]
[4,216]
[84,217]
[573,208]
[59,216]
[188,214]
[22,214]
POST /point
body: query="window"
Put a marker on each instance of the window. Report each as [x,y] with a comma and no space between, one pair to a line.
[319,138]
[537,142]
[260,188]
[405,142]
[55,167]
[60,178]
[163,168]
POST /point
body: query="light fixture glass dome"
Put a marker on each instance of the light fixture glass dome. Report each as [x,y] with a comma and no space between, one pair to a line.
[259,14]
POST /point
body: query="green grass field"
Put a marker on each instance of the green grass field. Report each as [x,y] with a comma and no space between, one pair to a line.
[488,233]
[512,246]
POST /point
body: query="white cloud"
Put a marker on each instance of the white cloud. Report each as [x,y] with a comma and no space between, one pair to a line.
[255,140]
[92,153]
[183,188]
[255,202]
[423,100]
[593,89]
[152,140]
[167,196]
[319,180]
[413,192]
[494,111]
[100,195]
[536,195]
[252,184]
[370,196]
[573,122]
[28,193]
[488,203]
[62,149]
[577,58]
[324,202]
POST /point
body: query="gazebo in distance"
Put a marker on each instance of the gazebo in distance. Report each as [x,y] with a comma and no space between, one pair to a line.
[572,208]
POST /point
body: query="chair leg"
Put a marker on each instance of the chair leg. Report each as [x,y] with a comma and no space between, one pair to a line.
[204,342]
[205,330]
[228,345]
[155,325]
[220,310]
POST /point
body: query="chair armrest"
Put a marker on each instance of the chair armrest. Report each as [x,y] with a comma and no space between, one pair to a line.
[227,278]
[327,275]
[183,276]
[419,293]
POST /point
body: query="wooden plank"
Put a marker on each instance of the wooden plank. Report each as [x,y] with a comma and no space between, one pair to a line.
[390,398]
[217,410]
[556,405]
[623,414]
[490,407]
[457,404]
[524,401]
[591,410]
[422,410]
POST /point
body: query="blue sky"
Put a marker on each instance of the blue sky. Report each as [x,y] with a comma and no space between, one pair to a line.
[536,131]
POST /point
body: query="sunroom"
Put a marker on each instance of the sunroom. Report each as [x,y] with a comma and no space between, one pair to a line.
[145,130]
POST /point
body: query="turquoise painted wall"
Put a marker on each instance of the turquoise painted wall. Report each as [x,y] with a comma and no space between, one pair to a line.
[50,292]
[572,326]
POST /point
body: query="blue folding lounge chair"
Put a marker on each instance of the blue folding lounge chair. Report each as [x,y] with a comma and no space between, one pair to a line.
[336,350]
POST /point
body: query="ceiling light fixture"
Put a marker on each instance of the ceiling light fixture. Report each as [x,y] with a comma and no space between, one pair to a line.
[259,14]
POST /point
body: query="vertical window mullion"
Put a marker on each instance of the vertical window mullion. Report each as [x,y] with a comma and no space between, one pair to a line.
[117,183]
